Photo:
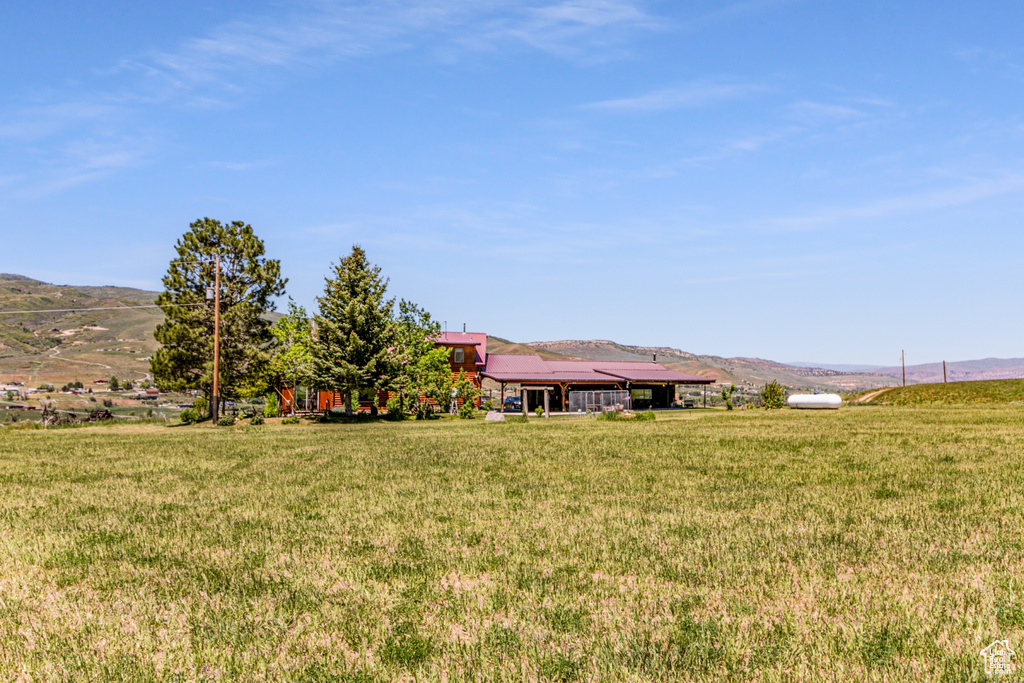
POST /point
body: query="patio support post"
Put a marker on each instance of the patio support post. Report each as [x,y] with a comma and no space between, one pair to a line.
[522,391]
[545,402]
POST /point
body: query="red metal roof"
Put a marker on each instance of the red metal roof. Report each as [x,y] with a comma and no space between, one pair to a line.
[656,375]
[477,339]
[518,367]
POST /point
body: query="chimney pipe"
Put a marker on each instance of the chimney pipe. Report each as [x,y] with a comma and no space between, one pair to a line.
[655,358]
[463,328]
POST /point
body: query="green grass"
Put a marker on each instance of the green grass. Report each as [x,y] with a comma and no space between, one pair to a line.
[954,393]
[862,544]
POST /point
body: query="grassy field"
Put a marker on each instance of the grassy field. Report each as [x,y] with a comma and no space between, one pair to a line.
[954,393]
[870,543]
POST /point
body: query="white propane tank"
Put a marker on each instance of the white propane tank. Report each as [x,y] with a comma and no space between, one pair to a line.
[815,401]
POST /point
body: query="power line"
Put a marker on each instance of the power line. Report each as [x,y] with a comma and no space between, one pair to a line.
[98,308]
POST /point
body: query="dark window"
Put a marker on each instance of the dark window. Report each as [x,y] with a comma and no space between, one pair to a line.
[460,355]
[641,394]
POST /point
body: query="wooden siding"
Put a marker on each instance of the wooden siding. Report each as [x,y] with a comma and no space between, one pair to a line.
[326,400]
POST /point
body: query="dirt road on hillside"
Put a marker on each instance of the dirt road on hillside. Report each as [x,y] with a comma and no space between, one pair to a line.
[871,394]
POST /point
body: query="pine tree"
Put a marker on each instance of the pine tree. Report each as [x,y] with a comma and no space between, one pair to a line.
[353,329]
[248,282]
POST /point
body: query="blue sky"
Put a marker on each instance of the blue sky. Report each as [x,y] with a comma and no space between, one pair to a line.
[817,181]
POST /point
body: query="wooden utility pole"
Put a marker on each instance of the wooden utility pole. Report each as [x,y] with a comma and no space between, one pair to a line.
[215,403]
[903,360]
[943,372]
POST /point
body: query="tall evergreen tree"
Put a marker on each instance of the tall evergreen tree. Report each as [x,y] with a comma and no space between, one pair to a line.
[248,281]
[353,329]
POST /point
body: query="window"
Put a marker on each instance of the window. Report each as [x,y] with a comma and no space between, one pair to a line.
[460,355]
[641,394]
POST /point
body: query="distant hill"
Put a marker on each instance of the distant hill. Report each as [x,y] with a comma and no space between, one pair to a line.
[842,367]
[39,347]
[751,372]
[78,342]
[499,345]
[953,393]
[960,371]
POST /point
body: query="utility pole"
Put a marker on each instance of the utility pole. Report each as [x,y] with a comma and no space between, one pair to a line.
[903,360]
[215,402]
[943,372]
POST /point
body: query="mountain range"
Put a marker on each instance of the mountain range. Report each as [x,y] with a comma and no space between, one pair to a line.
[61,333]
[749,372]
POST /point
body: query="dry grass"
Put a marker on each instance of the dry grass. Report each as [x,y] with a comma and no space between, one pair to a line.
[865,544]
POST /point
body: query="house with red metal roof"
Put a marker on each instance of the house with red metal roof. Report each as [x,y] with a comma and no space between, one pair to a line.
[649,383]
[467,352]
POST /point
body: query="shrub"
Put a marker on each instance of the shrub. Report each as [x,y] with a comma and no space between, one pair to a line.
[270,409]
[293,420]
[108,403]
[396,411]
[187,416]
[226,421]
[466,389]
[256,419]
[488,405]
[612,416]
[539,411]
[200,409]
[467,411]
[773,395]
[727,393]
[645,416]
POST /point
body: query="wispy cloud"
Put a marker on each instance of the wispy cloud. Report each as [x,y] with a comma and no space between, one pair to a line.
[78,162]
[921,202]
[215,69]
[680,97]
[820,112]
[35,122]
[240,166]
[323,31]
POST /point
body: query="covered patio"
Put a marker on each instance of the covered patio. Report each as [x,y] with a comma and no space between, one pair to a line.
[548,383]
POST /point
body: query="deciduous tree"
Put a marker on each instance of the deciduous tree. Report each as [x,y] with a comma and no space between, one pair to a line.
[412,338]
[292,360]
